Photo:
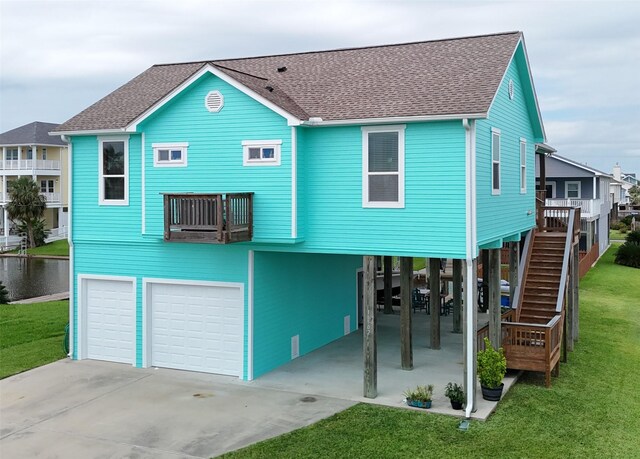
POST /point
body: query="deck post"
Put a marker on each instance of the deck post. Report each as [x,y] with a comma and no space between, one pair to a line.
[485,279]
[370,348]
[569,313]
[514,261]
[406,348]
[388,285]
[576,292]
[493,280]
[457,295]
[434,300]
[470,332]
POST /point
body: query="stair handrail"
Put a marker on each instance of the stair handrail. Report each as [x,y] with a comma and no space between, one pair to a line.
[524,263]
[568,247]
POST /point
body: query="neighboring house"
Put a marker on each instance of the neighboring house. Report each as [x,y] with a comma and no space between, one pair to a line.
[30,150]
[569,183]
[625,182]
[292,167]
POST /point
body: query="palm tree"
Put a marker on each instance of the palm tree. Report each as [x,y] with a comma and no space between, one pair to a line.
[27,204]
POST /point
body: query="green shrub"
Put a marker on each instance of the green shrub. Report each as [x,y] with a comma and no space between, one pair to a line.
[627,220]
[40,233]
[628,254]
[492,366]
[614,225]
[623,228]
[633,237]
[4,294]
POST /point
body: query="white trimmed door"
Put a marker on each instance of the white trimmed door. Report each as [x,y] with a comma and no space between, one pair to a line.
[110,319]
[197,327]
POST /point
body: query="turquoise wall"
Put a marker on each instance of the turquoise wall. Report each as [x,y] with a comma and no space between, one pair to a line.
[309,297]
[221,263]
[506,214]
[432,222]
[215,155]
[103,223]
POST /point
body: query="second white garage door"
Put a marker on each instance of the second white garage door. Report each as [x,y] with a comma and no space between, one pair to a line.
[197,327]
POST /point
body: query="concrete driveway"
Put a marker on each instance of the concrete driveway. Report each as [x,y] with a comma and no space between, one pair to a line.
[91,409]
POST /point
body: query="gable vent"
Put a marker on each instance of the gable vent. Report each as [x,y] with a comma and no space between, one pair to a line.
[214,101]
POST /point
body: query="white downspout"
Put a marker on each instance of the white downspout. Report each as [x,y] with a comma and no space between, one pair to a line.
[70,241]
[470,326]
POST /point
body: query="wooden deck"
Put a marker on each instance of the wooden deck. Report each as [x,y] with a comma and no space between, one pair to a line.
[208,218]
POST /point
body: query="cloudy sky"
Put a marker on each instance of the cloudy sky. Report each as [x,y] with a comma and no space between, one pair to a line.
[58,57]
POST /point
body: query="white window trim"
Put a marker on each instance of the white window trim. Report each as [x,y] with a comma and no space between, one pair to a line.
[494,191]
[182,146]
[113,202]
[566,189]
[366,130]
[275,144]
[523,166]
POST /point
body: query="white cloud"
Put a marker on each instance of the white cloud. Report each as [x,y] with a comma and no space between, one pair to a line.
[57,57]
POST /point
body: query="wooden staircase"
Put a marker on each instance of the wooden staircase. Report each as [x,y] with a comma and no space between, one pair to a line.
[540,292]
[532,333]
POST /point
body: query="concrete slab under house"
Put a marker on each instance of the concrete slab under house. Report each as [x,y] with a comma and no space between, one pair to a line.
[249,202]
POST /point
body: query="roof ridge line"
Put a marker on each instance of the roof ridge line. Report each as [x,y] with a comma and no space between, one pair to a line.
[353,48]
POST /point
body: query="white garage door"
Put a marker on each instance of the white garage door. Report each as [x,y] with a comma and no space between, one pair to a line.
[197,327]
[110,317]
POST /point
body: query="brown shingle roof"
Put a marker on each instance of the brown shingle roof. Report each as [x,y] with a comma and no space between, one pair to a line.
[432,78]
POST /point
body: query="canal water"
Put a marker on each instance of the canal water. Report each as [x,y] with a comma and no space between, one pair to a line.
[31,277]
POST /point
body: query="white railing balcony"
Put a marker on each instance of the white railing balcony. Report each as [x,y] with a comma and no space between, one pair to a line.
[31,164]
[52,198]
[588,207]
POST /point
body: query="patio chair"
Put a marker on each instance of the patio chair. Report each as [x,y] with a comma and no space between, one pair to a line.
[419,301]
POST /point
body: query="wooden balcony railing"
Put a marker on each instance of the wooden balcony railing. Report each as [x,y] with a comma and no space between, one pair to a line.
[208,218]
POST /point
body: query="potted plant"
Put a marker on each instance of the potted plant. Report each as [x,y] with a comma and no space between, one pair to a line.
[492,366]
[456,395]
[420,397]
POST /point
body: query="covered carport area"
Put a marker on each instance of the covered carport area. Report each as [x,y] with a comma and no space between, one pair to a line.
[335,370]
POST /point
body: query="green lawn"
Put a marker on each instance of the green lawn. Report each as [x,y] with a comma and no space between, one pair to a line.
[616,235]
[591,410]
[31,335]
[57,248]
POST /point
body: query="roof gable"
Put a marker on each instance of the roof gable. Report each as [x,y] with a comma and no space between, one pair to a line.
[521,61]
[442,78]
[576,166]
[36,133]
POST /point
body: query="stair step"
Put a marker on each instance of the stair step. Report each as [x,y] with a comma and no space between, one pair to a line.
[543,282]
[533,310]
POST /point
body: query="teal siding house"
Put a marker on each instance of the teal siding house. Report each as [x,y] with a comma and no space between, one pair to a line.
[220,210]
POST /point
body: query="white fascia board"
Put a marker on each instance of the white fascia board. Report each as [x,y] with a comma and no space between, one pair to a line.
[24,144]
[208,68]
[89,132]
[533,88]
[394,119]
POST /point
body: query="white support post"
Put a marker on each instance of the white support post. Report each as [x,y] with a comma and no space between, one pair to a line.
[470,333]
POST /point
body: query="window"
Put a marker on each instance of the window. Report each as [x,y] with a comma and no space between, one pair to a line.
[572,190]
[523,166]
[29,154]
[170,154]
[114,171]
[46,186]
[261,152]
[12,154]
[383,166]
[495,161]
[44,154]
